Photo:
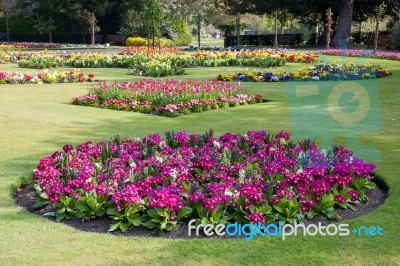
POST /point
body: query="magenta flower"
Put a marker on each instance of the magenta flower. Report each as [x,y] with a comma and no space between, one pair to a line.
[257,217]
[339,198]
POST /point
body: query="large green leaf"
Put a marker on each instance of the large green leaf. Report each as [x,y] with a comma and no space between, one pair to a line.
[185,211]
[150,224]
[82,206]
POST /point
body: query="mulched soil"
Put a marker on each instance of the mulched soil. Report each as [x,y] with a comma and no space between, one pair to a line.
[25,197]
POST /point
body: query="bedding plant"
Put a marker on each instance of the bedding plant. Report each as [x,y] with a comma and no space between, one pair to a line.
[166,97]
[159,183]
[347,71]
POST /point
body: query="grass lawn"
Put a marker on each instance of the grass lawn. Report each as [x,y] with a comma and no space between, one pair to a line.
[208,42]
[35,120]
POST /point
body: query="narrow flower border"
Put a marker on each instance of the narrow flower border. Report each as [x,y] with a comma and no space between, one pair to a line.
[321,72]
[45,77]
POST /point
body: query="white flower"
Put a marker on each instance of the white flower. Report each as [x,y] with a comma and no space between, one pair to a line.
[174,173]
[217,144]
[162,144]
[228,192]
[133,165]
[242,173]
[159,159]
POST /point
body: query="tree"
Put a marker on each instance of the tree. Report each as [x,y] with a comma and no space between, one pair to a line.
[343,28]
[203,11]
[328,26]
[92,22]
[236,8]
[46,25]
[7,7]
[152,17]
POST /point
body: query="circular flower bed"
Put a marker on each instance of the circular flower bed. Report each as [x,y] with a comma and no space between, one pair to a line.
[161,183]
[166,97]
[319,72]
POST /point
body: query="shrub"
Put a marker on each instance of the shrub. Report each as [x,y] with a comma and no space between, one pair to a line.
[136,41]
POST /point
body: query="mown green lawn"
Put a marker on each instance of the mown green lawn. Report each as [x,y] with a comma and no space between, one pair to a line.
[35,120]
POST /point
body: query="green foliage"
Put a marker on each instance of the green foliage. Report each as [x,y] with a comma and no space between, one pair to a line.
[135,41]
[91,206]
[324,207]
[126,218]
[396,35]
[361,185]
[163,219]
[288,211]
[218,216]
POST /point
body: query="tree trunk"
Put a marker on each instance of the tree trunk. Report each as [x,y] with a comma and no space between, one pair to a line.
[344,24]
[378,18]
[238,29]
[316,34]
[328,27]
[276,29]
[8,25]
[50,36]
[198,28]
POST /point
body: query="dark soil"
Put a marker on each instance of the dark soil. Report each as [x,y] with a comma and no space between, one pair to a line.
[25,197]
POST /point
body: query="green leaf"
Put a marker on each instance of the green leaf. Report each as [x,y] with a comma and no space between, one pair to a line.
[44,195]
[150,224]
[278,208]
[153,214]
[198,170]
[270,218]
[123,226]
[112,211]
[113,226]
[79,214]
[370,185]
[39,204]
[60,217]
[37,188]
[265,209]
[162,212]
[82,206]
[185,211]
[163,225]
[135,221]
[311,214]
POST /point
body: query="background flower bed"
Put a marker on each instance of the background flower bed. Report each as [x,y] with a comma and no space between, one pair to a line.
[158,183]
[165,61]
[165,97]
[44,77]
[391,55]
[289,55]
[150,50]
[318,72]
[24,45]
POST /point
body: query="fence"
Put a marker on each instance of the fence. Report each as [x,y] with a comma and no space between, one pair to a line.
[263,40]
